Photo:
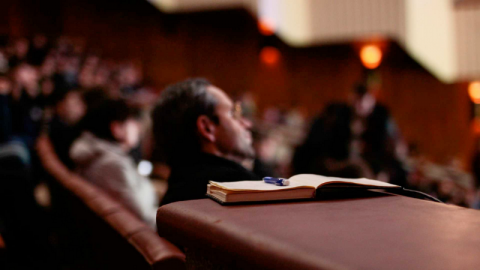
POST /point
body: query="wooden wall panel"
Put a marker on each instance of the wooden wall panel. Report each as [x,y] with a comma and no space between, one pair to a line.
[433,115]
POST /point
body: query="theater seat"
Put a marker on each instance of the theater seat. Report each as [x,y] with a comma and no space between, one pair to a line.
[114,238]
[126,224]
[155,251]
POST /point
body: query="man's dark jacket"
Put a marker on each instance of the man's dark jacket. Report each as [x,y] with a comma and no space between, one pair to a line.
[189,178]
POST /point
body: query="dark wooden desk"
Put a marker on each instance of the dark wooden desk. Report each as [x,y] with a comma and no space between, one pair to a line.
[373,232]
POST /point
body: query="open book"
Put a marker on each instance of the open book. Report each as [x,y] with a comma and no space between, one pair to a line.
[302,186]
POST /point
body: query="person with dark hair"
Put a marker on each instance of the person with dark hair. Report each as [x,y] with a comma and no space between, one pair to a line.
[27,106]
[38,50]
[326,150]
[101,157]
[64,128]
[20,48]
[94,98]
[378,134]
[5,110]
[202,136]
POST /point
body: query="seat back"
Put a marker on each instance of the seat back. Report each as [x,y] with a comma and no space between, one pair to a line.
[101,232]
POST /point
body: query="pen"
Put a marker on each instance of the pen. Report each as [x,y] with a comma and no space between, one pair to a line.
[276,181]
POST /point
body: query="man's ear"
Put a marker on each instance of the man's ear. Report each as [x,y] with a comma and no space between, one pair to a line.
[206,128]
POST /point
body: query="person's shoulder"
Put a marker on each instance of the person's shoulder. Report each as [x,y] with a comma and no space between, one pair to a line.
[88,151]
[116,162]
[78,146]
[227,173]
[107,171]
[216,169]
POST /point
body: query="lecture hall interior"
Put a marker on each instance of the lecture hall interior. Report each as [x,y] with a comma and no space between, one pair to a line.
[116,115]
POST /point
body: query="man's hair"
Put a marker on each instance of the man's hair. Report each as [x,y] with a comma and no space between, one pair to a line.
[98,119]
[175,119]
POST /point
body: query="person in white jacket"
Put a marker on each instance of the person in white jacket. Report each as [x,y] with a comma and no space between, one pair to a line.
[101,156]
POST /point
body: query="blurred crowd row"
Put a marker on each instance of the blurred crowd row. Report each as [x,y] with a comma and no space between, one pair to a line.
[335,144]
[48,85]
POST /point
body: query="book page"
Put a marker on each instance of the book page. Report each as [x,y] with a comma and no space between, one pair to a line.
[253,186]
[318,180]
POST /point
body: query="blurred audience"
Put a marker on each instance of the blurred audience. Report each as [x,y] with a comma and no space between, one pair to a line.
[362,140]
[27,105]
[82,99]
[36,77]
[327,149]
[47,85]
[101,157]
[5,113]
[449,183]
[38,49]
[375,136]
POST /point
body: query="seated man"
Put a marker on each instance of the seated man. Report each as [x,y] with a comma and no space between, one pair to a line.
[202,136]
[101,157]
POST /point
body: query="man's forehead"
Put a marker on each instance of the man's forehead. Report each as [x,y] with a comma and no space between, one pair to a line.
[221,97]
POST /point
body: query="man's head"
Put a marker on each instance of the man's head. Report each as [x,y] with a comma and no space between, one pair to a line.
[113,120]
[194,116]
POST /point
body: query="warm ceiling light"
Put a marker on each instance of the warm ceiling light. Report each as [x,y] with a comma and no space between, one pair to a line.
[265,27]
[371,56]
[270,55]
[474,91]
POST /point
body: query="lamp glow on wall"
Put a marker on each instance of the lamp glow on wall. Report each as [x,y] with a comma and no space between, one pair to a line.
[371,56]
[269,55]
[474,92]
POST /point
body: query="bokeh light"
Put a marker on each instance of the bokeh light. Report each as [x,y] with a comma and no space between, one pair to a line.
[145,168]
[266,27]
[269,55]
[371,56]
[474,92]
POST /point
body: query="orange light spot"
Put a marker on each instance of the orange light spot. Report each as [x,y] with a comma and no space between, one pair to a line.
[265,27]
[371,56]
[269,55]
[476,126]
[474,91]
